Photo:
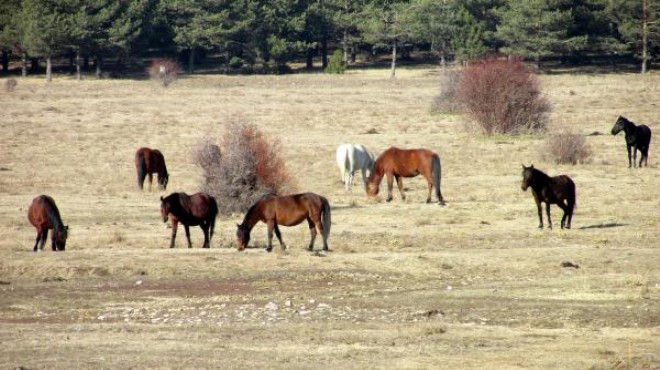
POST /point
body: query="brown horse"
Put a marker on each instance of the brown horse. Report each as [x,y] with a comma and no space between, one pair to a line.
[288,210]
[147,162]
[398,163]
[551,190]
[199,209]
[43,215]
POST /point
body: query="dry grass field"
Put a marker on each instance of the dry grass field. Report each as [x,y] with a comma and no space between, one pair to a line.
[473,285]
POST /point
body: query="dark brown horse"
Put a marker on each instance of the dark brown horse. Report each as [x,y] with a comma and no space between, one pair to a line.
[638,137]
[147,162]
[551,190]
[397,163]
[199,209]
[44,215]
[287,210]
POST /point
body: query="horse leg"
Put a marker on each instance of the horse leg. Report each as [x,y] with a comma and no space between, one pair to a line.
[44,236]
[271,227]
[312,232]
[187,228]
[564,207]
[279,236]
[36,241]
[538,207]
[390,184]
[399,184]
[205,229]
[175,225]
[547,210]
[429,186]
[151,179]
[634,150]
[629,156]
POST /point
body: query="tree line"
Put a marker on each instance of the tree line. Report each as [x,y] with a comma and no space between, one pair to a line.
[244,34]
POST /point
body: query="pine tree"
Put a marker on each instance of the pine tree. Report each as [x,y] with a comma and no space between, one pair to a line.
[383,23]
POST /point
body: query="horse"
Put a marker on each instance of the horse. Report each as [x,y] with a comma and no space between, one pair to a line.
[44,215]
[551,190]
[638,137]
[351,157]
[147,162]
[199,209]
[286,210]
[398,163]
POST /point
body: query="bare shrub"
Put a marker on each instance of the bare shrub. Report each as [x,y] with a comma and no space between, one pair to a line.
[10,84]
[502,96]
[163,70]
[244,167]
[445,101]
[566,147]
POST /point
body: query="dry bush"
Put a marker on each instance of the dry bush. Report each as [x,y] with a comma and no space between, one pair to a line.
[502,96]
[244,167]
[163,70]
[567,147]
[445,101]
[10,84]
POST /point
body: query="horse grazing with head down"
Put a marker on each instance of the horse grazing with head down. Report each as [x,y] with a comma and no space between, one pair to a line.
[398,163]
[352,157]
[199,209]
[147,162]
[286,210]
[638,137]
[44,215]
[551,190]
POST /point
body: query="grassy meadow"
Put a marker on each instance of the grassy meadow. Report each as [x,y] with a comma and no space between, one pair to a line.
[408,285]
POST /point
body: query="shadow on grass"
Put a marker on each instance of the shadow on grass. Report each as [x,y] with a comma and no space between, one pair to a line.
[603,225]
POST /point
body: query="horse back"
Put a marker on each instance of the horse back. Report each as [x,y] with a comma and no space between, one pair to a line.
[562,187]
[197,207]
[407,162]
[291,210]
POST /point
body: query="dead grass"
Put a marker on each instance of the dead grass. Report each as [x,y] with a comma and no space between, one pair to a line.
[119,298]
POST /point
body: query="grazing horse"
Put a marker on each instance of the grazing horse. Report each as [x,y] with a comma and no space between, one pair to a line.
[287,210]
[551,190]
[637,138]
[43,215]
[199,209]
[147,162]
[352,157]
[398,163]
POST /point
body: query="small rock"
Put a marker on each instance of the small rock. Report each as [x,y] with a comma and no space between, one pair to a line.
[271,306]
[287,303]
[569,265]
[139,282]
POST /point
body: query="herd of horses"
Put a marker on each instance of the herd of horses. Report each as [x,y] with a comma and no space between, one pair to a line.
[201,209]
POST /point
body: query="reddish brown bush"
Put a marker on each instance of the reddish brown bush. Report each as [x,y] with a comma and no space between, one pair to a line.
[502,96]
[163,70]
[245,166]
[567,147]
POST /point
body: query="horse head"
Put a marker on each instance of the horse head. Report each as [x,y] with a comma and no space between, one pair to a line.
[620,125]
[163,180]
[164,208]
[242,237]
[60,237]
[527,174]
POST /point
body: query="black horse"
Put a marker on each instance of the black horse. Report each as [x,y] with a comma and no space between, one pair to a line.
[199,209]
[551,190]
[637,138]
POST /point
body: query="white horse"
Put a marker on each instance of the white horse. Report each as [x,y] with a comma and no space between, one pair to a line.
[352,157]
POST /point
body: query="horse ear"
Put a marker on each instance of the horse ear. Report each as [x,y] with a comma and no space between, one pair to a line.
[531,165]
[523,166]
[66,227]
[161,198]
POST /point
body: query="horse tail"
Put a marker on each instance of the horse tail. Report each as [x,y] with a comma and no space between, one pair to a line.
[141,167]
[213,214]
[436,171]
[326,220]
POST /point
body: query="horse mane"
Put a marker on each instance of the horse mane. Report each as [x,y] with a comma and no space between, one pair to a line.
[540,173]
[53,213]
[254,206]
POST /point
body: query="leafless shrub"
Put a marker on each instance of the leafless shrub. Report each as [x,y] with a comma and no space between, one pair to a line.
[163,70]
[10,84]
[502,96]
[566,147]
[445,101]
[244,167]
